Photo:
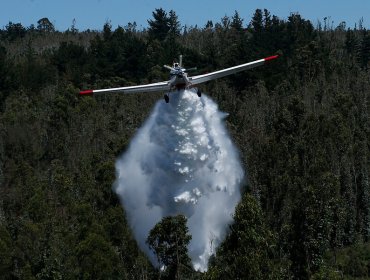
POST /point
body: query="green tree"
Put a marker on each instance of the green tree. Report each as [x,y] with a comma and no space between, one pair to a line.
[14,31]
[45,25]
[160,25]
[168,240]
[236,22]
[247,250]
[173,35]
[364,56]
[97,258]
[173,24]
[257,21]
[5,253]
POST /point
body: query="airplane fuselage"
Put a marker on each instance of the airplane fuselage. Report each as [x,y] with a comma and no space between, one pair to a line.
[179,79]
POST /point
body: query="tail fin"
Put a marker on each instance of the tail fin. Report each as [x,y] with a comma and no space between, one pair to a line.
[180,60]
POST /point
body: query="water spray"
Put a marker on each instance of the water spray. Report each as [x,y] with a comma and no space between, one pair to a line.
[182,161]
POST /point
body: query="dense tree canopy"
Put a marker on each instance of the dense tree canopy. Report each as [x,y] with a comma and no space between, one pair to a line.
[301,123]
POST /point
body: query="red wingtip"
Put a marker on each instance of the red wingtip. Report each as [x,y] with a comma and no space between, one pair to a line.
[271,57]
[86,92]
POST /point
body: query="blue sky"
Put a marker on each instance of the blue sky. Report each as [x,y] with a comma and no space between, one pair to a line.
[92,14]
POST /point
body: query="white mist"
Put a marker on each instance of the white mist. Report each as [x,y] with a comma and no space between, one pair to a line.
[182,161]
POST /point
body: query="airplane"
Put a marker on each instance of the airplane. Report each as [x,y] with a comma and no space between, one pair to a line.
[179,79]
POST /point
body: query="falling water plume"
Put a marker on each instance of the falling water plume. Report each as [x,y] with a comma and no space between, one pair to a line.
[182,161]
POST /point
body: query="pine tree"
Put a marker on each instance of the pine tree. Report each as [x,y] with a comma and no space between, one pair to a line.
[160,25]
[236,22]
[173,35]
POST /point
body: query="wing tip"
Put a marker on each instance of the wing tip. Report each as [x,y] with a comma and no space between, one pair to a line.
[271,57]
[87,92]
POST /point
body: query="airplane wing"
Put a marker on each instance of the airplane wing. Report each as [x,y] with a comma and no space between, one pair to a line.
[228,71]
[161,86]
[166,86]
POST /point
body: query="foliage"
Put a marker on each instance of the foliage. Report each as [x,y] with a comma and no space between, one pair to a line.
[301,124]
[168,240]
[246,251]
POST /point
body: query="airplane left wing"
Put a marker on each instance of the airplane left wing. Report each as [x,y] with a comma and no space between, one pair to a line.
[229,71]
[161,86]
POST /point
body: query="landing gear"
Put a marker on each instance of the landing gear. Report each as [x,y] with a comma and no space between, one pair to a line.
[199,93]
[166,98]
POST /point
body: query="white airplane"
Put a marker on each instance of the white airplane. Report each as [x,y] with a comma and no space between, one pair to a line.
[179,79]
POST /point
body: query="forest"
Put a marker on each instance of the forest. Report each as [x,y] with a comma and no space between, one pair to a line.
[301,124]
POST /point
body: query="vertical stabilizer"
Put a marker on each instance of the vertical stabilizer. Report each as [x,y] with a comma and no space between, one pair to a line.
[180,60]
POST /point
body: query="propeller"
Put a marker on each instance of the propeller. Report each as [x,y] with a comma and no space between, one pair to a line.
[191,69]
[169,67]
[184,70]
[179,72]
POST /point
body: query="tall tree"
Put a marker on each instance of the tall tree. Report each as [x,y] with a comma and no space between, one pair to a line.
[174,24]
[45,25]
[246,252]
[168,240]
[160,25]
[236,22]
[173,35]
[257,21]
[365,52]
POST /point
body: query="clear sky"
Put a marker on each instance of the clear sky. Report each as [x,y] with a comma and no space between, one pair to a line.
[92,14]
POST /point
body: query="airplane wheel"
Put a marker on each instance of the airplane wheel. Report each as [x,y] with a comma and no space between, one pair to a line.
[166,98]
[199,93]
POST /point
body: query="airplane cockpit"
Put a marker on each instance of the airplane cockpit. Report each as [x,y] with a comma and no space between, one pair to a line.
[176,69]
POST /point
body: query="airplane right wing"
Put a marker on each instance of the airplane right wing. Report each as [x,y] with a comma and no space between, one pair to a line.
[228,71]
[161,86]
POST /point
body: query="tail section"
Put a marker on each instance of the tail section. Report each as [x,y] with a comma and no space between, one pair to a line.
[180,60]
